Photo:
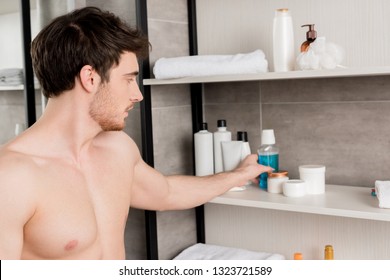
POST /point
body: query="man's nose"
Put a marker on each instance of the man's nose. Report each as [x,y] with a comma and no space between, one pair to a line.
[136,94]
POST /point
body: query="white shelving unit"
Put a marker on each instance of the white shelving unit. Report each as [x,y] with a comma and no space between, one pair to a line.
[336,73]
[342,201]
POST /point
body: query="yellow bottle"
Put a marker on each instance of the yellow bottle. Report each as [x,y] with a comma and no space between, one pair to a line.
[329,252]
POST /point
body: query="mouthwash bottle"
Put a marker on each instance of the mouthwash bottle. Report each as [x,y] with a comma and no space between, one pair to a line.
[268,155]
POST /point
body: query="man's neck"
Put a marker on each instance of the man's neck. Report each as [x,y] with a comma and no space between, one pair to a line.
[67,126]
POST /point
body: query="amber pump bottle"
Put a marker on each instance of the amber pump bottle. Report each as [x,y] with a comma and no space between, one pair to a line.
[329,252]
[311,35]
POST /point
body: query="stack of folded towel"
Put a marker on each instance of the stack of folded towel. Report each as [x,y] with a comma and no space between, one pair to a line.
[11,77]
[382,190]
[14,77]
[201,251]
[208,65]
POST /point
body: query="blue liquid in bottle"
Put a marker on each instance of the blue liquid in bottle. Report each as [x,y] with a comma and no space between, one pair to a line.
[268,155]
[267,159]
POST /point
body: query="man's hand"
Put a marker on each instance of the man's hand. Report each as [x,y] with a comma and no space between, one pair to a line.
[252,169]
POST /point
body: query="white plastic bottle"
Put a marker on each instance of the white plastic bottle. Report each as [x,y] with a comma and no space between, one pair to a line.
[246,149]
[283,41]
[204,156]
[222,134]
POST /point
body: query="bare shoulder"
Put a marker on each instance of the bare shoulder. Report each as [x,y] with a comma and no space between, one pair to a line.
[17,180]
[118,143]
[15,165]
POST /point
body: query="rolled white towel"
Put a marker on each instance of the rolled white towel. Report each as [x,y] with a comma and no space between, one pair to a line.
[208,65]
[382,190]
[201,251]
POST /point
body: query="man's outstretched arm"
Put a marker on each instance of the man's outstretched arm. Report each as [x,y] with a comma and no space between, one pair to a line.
[153,191]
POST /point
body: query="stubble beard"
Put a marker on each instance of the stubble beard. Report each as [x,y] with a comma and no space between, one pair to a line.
[103,111]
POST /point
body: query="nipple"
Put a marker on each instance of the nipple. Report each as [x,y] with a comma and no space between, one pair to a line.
[71,245]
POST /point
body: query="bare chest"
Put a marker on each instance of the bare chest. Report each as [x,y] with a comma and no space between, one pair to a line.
[81,214]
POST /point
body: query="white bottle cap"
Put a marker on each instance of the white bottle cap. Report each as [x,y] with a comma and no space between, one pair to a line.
[267,137]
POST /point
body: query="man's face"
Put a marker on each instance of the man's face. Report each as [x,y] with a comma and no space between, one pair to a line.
[114,99]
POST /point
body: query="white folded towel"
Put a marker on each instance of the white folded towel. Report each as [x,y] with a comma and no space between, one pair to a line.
[208,65]
[14,77]
[382,190]
[11,76]
[201,251]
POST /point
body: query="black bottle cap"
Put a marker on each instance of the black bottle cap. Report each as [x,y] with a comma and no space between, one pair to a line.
[203,126]
[242,136]
[221,123]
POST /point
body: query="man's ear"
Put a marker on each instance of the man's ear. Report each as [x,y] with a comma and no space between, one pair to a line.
[89,79]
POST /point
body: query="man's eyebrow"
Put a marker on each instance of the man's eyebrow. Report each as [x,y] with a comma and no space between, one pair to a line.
[135,73]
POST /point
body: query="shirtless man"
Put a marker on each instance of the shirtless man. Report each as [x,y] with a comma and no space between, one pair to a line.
[66,184]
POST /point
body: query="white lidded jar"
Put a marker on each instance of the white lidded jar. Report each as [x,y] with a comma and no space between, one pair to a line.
[294,188]
[275,181]
[204,156]
[283,41]
[314,177]
[222,134]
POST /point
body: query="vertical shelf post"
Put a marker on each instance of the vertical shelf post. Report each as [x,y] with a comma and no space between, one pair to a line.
[196,108]
[147,133]
[29,90]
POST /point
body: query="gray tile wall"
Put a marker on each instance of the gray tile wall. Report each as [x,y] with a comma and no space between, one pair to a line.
[172,125]
[237,103]
[12,111]
[342,123]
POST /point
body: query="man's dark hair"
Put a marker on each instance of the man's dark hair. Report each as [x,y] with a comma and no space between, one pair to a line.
[87,36]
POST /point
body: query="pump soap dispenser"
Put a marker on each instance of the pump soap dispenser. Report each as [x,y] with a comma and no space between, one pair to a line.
[311,35]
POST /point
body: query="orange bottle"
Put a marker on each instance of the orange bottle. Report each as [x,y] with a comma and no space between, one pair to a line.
[298,256]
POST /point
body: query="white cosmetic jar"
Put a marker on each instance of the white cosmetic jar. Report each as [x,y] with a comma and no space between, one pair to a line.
[314,176]
[294,188]
[275,181]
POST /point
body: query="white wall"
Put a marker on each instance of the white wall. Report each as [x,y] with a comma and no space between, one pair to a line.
[11,55]
[361,27]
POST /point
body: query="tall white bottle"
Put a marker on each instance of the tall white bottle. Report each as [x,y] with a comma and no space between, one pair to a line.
[204,156]
[246,149]
[283,41]
[222,134]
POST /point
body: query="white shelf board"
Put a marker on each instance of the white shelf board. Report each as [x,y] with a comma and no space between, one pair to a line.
[343,201]
[335,73]
[10,88]
[18,87]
